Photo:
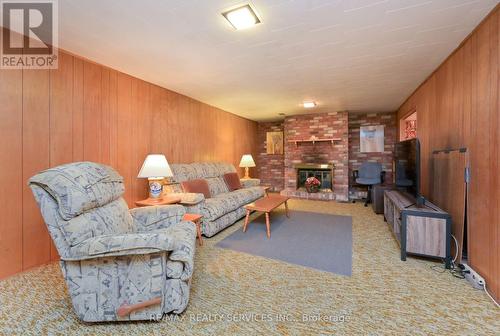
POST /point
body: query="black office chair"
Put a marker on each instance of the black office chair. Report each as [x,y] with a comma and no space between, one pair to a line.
[369,174]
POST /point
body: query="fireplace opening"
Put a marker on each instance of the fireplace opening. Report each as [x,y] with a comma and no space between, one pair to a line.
[323,172]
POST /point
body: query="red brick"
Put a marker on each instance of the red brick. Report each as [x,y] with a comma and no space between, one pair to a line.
[278,171]
[356,158]
[269,166]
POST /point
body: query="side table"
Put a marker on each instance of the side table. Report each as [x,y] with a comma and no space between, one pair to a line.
[266,188]
[159,201]
[196,219]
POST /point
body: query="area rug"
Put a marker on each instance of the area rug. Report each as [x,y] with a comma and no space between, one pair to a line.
[310,239]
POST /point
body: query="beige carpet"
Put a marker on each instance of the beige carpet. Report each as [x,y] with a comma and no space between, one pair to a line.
[239,294]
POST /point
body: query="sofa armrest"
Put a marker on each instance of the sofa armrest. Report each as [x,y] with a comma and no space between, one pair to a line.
[188,198]
[198,209]
[179,240]
[247,183]
[156,217]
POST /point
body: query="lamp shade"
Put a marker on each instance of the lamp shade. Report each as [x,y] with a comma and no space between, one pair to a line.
[247,161]
[155,165]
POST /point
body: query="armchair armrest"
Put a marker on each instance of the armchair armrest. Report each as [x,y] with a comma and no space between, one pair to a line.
[156,217]
[179,240]
[247,183]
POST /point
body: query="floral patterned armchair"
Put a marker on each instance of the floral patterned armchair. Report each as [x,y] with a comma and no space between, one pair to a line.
[119,264]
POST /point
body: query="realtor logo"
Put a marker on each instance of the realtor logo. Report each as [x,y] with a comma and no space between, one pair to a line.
[29,34]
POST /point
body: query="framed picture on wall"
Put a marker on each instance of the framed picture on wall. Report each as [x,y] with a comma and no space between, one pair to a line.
[274,141]
[371,139]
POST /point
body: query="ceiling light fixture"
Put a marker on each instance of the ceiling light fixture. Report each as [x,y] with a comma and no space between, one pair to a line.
[242,17]
[309,104]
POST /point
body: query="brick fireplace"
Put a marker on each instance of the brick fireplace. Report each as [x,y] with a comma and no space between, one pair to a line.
[331,154]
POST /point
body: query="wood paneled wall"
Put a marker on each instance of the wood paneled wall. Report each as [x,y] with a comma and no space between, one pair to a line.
[85,111]
[458,106]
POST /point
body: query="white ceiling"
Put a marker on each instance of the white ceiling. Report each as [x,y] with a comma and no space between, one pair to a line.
[355,55]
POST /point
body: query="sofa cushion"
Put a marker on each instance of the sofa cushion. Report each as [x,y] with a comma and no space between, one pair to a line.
[197,186]
[172,188]
[214,208]
[247,195]
[225,203]
[217,186]
[232,181]
[184,172]
[188,198]
[250,182]
[223,168]
[80,187]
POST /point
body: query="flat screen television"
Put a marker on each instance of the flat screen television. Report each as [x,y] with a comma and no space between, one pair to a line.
[407,166]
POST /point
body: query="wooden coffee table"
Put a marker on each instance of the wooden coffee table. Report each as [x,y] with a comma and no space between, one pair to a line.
[266,205]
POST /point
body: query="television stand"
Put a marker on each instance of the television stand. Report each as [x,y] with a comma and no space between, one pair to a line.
[423,204]
[420,203]
[423,231]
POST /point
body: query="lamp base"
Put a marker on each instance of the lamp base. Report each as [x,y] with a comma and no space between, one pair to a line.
[247,175]
[155,188]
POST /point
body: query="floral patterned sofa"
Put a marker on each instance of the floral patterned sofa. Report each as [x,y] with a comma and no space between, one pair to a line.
[224,208]
[111,256]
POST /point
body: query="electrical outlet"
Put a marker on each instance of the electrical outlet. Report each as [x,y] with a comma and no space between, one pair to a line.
[476,280]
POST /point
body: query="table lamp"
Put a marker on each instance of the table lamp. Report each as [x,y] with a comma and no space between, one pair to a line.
[246,162]
[155,168]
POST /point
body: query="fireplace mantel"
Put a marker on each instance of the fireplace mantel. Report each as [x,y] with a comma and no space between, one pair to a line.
[313,166]
[313,141]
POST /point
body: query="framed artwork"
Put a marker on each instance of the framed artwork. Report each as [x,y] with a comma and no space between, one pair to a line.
[274,142]
[371,138]
[410,129]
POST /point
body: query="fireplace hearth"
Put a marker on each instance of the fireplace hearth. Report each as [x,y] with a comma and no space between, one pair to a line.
[323,172]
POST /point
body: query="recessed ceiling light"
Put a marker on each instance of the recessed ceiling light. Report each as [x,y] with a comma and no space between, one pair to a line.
[242,17]
[309,104]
